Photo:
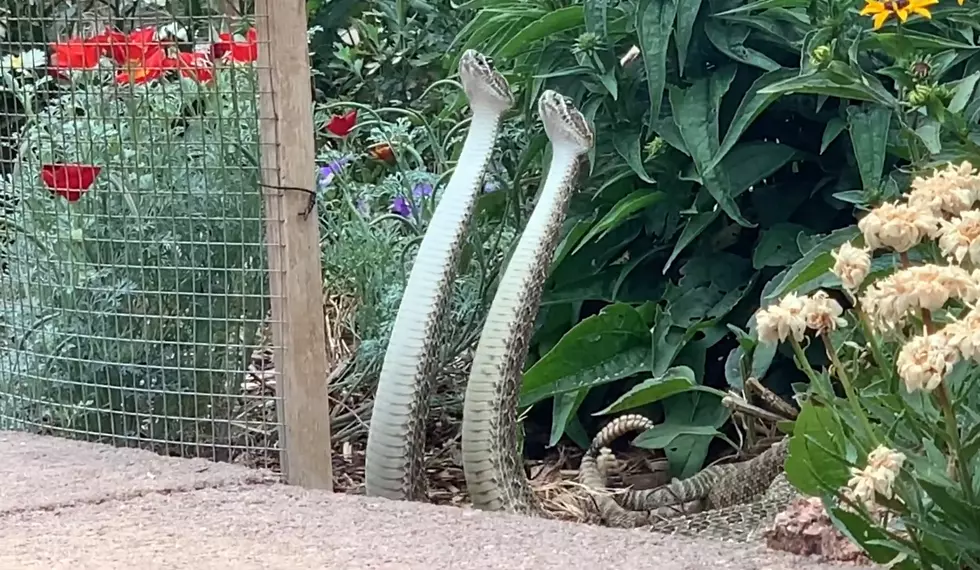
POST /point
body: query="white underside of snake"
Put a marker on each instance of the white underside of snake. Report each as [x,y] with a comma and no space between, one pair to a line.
[396,435]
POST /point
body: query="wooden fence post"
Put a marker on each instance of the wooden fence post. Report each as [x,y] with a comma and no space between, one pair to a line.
[295,275]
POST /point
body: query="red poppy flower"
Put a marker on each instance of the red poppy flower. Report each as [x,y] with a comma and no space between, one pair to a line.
[238,51]
[341,125]
[70,181]
[74,54]
[155,64]
[196,66]
[126,49]
[382,151]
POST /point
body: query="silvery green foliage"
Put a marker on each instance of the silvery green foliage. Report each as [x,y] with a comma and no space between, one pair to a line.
[122,309]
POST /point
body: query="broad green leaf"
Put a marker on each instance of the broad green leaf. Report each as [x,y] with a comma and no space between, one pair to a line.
[563,410]
[730,37]
[762,5]
[963,93]
[868,128]
[848,85]
[595,17]
[676,380]
[552,23]
[635,202]
[833,130]
[809,466]
[696,115]
[777,246]
[602,348]
[929,132]
[814,264]
[752,105]
[628,147]
[691,421]
[654,22]
[869,536]
[747,163]
[687,13]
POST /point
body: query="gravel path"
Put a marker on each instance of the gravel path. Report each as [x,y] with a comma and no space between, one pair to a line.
[72,505]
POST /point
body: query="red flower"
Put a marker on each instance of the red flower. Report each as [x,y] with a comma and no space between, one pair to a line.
[74,54]
[195,65]
[155,64]
[70,181]
[135,47]
[341,125]
[238,51]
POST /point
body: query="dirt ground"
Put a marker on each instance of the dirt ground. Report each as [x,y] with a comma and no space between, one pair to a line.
[79,506]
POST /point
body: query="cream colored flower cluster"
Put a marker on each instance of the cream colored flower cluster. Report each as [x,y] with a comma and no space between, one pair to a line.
[925,287]
[792,315]
[879,476]
[948,193]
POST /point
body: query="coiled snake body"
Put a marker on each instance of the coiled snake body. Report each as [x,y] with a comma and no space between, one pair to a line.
[396,435]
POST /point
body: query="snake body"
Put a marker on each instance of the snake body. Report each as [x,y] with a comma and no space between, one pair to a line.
[492,464]
[396,435]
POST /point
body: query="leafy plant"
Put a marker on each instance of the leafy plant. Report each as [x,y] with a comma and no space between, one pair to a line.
[895,460]
[734,138]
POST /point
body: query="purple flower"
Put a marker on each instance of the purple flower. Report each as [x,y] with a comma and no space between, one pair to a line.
[490,187]
[405,208]
[332,169]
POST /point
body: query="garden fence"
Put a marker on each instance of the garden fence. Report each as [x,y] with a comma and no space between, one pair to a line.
[161,282]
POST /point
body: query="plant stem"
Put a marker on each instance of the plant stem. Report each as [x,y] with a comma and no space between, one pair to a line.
[804,363]
[952,430]
[845,381]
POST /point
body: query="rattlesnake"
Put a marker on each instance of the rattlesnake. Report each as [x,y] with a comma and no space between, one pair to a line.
[731,502]
[396,435]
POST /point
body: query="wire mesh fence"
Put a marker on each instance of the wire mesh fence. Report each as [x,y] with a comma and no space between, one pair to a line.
[134,293]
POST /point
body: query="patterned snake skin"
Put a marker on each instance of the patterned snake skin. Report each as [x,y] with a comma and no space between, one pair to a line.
[734,504]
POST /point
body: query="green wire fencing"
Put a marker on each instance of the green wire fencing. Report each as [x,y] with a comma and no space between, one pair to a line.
[134,267]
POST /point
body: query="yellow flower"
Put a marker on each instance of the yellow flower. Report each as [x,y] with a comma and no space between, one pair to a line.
[851,265]
[925,360]
[927,287]
[897,226]
[901,8]
[951,190]
[823,313]
[777,322]
[960,237]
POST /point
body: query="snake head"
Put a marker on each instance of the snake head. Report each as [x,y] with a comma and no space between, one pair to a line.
[563,123]
[484,85]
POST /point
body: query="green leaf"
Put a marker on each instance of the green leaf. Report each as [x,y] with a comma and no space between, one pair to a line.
[833,130]
[868,128]
[747,163]
[552,23]
[696,115]
[814,265]
[929,132]
[691,421]
[846,84]
[674,381]
[602,348]
[777,246]
[628,147]
[563,410]
[752,105]
[963,93]
[629,205]
[654,22]
[730,37]
[595,17]
[687,13]
[809,466]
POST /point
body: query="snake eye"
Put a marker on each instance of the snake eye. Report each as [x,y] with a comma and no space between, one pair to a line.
[489,62]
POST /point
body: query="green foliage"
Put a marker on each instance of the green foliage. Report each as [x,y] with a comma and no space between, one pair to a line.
[733,140]
[129,310]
